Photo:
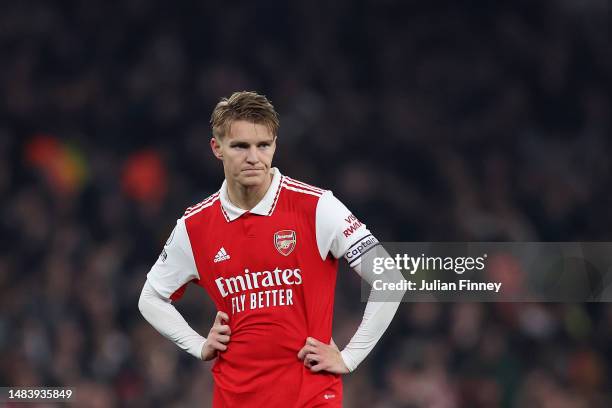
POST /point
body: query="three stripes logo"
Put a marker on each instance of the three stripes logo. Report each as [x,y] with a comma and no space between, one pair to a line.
[222,255]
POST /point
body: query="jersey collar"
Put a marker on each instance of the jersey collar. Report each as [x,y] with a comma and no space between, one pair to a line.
[263,207]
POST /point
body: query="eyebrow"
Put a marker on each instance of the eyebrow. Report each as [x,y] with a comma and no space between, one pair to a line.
[244,143]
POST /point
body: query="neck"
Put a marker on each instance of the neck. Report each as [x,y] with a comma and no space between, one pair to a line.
[247,197]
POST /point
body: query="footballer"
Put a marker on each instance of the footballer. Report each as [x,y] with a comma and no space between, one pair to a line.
[265,248]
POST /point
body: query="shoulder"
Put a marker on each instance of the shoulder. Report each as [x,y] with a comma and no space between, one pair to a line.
[299,196]
[299,189]
[201,207]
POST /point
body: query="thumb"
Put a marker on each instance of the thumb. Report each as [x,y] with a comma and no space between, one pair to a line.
[332,343]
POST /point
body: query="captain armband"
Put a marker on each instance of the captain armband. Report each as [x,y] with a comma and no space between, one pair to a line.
[360,248]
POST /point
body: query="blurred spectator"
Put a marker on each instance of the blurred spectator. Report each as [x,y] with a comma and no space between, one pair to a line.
[435,120]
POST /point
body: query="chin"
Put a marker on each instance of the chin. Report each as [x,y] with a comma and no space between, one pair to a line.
[252,181]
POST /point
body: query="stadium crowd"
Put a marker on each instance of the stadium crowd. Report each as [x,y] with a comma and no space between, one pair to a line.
[432,121]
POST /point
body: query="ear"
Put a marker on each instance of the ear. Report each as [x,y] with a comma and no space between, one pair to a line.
[215,146]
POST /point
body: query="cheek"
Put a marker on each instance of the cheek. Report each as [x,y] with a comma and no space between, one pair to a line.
[234,161]
[267,156]
[236,157]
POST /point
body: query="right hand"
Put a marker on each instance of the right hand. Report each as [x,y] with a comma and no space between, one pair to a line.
[218,337]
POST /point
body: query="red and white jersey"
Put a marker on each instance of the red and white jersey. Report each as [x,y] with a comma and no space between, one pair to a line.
[273,271]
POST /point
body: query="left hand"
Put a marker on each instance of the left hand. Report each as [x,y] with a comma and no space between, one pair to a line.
[319,356]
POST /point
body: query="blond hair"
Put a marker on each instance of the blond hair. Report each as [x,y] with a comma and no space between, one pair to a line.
[244,105]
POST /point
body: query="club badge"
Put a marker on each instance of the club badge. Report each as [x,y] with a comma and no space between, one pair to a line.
[284,241]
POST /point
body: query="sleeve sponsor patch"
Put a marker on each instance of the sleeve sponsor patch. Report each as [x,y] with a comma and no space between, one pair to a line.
[353,225]
[175,265]
[164,255]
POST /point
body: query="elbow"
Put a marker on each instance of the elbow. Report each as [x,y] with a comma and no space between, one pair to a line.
[142,301]
[141,304]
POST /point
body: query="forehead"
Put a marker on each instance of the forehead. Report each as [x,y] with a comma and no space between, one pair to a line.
[248,131]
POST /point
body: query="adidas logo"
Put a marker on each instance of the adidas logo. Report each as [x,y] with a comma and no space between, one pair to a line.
[222,255]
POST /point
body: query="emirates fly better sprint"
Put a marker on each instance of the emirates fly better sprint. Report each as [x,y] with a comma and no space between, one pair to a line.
[412,264]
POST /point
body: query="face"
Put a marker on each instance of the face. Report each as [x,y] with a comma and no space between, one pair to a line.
[246,150]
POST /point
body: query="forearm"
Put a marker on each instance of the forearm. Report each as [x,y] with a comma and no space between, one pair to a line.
[379,313]
[376,319]
[164,317]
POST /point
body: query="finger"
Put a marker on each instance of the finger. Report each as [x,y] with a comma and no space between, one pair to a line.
[221,318]
[312,341]
[309,363]
[222,329]
[223,339]
[312,360]
[218,346]
[318,367]
[304,351]
[314,357]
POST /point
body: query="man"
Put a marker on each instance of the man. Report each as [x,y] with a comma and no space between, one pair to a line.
[265,248]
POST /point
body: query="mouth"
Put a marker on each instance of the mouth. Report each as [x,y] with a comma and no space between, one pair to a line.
[251,170]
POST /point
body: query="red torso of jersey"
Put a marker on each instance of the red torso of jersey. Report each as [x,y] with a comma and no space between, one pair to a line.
[267,274]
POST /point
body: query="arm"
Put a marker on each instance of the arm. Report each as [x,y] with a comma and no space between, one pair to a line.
[164,317]
[376,318]
[378,315]
[340,234]
[172,271]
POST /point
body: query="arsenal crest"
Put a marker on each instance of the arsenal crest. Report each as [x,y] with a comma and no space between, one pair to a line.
[284,241]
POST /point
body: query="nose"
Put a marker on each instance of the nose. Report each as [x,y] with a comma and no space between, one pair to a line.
[252,155]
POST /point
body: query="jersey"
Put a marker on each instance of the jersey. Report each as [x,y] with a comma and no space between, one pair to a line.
[273,271]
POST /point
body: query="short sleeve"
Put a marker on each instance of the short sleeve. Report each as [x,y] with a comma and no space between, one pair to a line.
[175,266]
[339,232]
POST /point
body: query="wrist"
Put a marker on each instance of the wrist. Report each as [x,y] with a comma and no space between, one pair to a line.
[204,351]
[346,360]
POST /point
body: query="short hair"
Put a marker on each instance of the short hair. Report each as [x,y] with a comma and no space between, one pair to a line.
[244,105]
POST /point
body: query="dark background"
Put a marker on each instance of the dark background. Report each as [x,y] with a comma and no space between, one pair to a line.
[432,121]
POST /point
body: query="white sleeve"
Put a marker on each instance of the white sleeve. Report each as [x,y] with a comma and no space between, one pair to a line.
[376,318]
[340,233]
[176,264]
[164,317]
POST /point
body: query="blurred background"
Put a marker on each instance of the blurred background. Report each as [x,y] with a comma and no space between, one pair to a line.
[432,121]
